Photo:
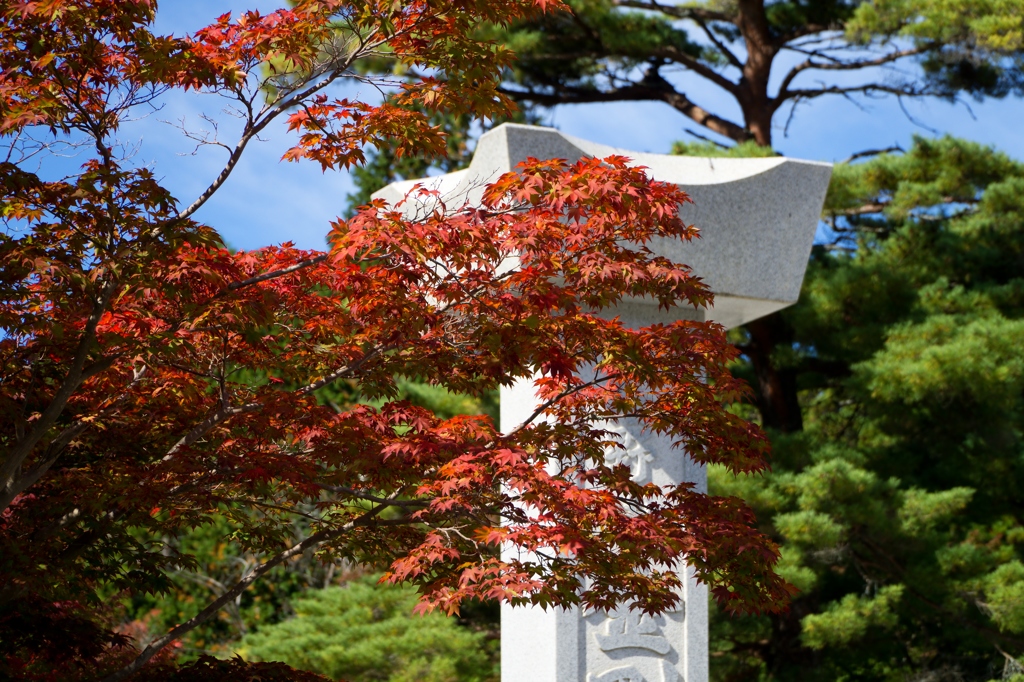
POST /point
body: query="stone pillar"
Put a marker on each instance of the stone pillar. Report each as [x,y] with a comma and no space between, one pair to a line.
[757,219]
[564,645]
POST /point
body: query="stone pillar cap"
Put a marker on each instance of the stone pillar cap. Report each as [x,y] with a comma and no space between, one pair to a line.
[757,217]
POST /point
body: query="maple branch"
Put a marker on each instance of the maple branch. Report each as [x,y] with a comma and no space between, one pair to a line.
[76,374]
[255,125]
[56,449]
[268,505]
[347,369]
[564,394]
[345,490]
[13,483]
[202,138]
[278,273]
[202,428]
[251,130]
[213,607]
[87,537]
[223,413]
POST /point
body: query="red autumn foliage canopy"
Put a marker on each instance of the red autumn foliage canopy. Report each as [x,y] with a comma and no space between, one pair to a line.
[151,377]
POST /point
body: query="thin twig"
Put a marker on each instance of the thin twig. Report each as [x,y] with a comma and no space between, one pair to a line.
[873,152]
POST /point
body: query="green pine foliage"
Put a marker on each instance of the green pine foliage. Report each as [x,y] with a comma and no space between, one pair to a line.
[384,166]
[900,506]
[437,399]
[743,150]
[365,632]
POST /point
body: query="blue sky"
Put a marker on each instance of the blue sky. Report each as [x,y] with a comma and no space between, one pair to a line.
[266,201]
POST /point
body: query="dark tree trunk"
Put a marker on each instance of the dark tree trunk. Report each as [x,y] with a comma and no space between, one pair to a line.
[762,47]
[775,389]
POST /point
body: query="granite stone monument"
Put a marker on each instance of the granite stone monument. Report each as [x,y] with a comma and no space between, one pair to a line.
[757,219]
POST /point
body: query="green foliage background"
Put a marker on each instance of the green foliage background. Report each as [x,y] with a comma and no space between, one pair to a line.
[365,632]
[898,507]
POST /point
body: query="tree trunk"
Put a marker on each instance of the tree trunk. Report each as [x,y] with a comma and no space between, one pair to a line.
[762,47]
[759,123]
[776,388]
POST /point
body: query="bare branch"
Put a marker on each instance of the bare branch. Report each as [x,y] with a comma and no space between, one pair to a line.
[662,92]
[867,209]
[706,139]
[806,30]
[820,54]
[678,12]
[873,152]
[678,56]
[733,59]
[843,66]
[913,120]
[902,91]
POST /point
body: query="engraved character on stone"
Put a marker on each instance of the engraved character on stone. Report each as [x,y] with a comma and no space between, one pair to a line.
[631,453]
[632,629]
[630,673]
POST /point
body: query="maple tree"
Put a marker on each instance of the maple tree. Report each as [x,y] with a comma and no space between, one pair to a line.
[154,380]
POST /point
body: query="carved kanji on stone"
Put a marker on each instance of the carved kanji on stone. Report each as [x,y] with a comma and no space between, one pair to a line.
[631,453]
[630,673]
[632,629]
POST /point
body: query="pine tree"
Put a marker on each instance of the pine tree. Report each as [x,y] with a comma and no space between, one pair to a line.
[365,632]
[898,507]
